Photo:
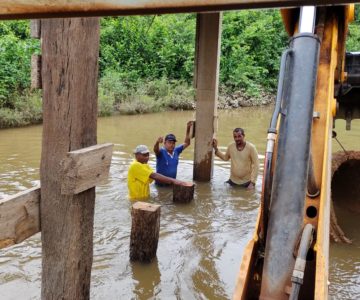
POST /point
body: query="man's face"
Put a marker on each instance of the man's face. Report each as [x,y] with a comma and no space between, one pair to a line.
[142,158]
[238,138]
[169,146]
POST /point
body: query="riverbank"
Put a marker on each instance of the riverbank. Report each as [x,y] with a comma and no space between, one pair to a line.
[129,98]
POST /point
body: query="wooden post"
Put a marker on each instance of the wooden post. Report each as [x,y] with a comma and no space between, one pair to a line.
[35,28]
[183,193]
[70,50]
[36,71]
[145,229]
[208,40]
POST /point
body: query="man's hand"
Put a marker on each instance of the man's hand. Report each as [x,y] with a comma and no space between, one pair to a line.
[215,144]
[160,140]
[189,124]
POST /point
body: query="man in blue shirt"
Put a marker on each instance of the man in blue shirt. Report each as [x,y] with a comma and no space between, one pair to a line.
[167,157]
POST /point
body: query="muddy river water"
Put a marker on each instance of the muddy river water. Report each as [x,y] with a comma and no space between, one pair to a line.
[200,245]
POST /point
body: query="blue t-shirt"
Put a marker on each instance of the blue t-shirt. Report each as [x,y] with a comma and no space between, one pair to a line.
[166,164]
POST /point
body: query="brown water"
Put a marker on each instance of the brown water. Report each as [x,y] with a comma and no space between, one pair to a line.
[200,245]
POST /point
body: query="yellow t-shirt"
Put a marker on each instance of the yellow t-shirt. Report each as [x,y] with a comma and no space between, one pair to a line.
[139,180]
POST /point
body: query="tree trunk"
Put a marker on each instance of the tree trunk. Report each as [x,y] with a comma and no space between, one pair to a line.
[70,49]
[182,193]
[144,231]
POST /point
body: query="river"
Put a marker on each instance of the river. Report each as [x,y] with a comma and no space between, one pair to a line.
[200,245]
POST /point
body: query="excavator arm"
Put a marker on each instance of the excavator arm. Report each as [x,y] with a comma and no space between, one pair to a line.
[288,255]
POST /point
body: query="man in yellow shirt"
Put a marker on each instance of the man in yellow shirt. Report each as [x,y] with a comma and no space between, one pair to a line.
[244,160]
[140,175]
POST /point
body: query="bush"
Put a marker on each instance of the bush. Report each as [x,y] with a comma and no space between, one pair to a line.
[27,110]
[105,103]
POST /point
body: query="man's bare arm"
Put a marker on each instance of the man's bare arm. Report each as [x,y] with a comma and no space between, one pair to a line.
[187,136]
[157,146]
[165,179]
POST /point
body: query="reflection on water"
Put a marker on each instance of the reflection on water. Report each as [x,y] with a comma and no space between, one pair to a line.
[201,243]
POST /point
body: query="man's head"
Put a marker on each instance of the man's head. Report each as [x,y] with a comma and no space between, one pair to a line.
[142,154]
[239,136]
[169,143]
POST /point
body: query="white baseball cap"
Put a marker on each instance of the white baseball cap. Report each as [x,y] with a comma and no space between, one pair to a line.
[143,149]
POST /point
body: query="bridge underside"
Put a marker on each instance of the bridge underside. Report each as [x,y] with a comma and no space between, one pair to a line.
[28,9]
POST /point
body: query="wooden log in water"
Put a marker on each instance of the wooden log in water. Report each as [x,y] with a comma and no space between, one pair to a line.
[183,193]
[144,231]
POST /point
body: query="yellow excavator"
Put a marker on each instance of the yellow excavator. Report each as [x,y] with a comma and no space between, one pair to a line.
[288,255]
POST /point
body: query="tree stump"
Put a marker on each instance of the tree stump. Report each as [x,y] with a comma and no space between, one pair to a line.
[145,229]
[183,193]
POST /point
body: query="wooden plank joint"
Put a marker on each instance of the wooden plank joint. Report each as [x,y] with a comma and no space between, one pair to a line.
[85,168]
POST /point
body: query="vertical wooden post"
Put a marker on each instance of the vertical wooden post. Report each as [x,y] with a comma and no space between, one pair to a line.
[35,28]
[70,49]
[36,71]
[208,40]
[145,229]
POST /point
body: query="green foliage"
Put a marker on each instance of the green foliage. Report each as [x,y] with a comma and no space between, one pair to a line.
[27,110]
[146,62]
[148,46]
[252,42]
[353,38]
[16,48]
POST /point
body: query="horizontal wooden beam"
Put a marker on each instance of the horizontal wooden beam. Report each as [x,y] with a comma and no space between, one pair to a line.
[85,168]
[19,217]
[27,9]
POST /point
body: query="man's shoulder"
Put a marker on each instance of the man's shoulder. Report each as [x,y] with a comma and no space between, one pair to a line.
[231,145]
[251,145]
[161,153]
[179,148]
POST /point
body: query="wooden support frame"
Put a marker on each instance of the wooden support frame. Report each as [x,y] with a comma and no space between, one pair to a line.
[36,72]
[70,49]
[19,217]
[27,9]
[85,168]
[208,41]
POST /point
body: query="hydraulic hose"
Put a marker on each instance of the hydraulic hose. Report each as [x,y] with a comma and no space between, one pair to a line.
[297,277]
[271,138]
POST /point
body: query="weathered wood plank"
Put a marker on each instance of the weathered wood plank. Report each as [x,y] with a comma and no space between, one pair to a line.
[25,9]
[36,71]
[19,217]
[70,50]
[35,29]
[145,228]
[86,168]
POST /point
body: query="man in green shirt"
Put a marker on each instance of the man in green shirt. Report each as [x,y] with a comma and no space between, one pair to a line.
[244,160]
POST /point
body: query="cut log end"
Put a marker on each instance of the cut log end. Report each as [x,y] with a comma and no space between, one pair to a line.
[183,193]
[145,230]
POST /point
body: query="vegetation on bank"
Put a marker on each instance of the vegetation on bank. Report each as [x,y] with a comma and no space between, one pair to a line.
[146,63]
